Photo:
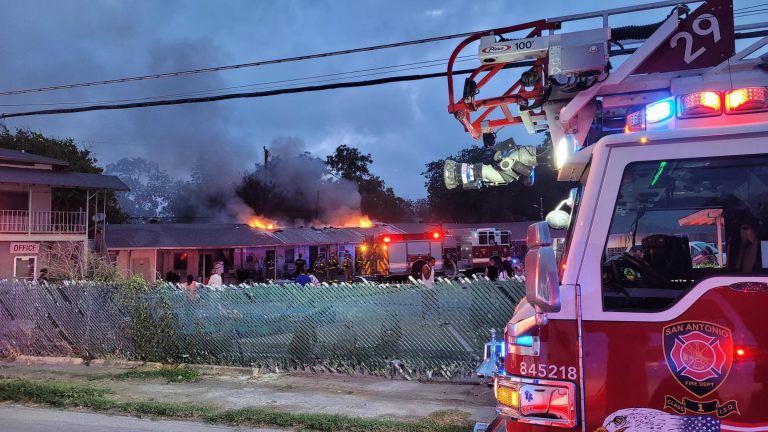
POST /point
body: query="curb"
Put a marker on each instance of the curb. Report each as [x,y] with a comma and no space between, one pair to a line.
[212,370]
[33,360]
[230,371]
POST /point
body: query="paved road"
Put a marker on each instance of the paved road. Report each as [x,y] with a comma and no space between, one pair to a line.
[15,418]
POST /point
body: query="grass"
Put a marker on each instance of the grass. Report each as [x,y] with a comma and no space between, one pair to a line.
[173,375]
[65,395]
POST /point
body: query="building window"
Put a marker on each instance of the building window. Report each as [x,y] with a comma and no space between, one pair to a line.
[24,267]
[181,261]
[677,222]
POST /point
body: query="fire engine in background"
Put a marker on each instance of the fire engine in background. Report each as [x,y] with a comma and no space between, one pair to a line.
[473,248]
[396,256]
[668,148]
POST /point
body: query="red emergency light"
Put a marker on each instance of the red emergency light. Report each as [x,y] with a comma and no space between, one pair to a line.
[393,238]
[701,104]
[751,99]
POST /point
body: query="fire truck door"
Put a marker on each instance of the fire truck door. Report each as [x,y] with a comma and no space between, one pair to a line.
[436,251]
[669,336]
[397,258]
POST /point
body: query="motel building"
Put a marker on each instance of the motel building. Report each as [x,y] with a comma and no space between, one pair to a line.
[30,223]
[169,251]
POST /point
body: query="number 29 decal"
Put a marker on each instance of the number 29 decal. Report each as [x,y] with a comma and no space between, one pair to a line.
[713,29]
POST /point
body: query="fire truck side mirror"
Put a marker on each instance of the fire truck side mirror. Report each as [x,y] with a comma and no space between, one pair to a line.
[542,286]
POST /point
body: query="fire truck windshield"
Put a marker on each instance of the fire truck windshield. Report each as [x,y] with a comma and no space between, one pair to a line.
[678,221]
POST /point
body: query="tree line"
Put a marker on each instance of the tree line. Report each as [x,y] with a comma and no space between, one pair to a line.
[156,193]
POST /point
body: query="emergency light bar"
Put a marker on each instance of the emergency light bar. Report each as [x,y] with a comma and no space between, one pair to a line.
[390,238]
[699,104]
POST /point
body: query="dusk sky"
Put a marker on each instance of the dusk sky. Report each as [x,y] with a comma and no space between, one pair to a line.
[403,125]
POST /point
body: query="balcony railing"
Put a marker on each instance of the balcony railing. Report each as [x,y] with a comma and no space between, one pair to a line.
[42,222]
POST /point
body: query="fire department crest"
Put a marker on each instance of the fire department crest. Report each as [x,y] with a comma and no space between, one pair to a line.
[699,354]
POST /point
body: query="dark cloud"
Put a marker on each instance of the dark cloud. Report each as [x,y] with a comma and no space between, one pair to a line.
[402,125]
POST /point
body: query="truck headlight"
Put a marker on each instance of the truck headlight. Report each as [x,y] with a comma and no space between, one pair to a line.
[564,149]
[536,401]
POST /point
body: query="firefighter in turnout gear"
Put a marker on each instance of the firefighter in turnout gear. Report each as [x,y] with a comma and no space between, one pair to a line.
[320,267]
[300,264]
[332,266]
[347,267]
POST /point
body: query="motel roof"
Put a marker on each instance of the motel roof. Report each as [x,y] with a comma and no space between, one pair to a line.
[186,236]
[16,157]
[216,236]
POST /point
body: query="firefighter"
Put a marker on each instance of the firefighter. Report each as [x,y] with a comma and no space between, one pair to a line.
[332,266]
[300,264]
[346,267]
[320,267]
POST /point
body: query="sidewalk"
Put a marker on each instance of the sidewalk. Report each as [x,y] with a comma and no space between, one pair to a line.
[358,396]
[18,418]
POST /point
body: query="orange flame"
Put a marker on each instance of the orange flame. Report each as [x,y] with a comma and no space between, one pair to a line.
[261,222]
[355,221]
[365,222]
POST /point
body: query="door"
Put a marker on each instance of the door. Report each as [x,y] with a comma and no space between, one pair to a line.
[141,267]
[312,256]
[204,266]
[668,337]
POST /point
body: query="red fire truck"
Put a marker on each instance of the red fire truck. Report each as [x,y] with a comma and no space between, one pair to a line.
[668,147]
[474,247]
[393,256]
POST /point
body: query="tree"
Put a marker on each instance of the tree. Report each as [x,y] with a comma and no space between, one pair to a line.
[80,160]
[377,200]
[152,189]
[349,163]
[512,202]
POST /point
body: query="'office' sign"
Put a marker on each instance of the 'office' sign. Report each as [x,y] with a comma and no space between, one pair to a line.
[24,248]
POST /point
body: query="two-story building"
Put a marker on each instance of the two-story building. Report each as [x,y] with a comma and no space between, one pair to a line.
[29,223]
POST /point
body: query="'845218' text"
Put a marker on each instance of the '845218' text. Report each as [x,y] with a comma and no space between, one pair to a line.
[548,371]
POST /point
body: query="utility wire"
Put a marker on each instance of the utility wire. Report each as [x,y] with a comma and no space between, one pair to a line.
[292,90]
[745,10]
[751,7]
[269,84]
[183,101]
[238,66]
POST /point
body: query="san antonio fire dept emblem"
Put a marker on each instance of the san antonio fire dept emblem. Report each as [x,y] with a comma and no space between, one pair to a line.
[699,354]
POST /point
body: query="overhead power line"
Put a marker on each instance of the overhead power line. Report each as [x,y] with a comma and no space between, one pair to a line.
[237,66]
[291,90]
[314,79]
[745,11]
[259,94]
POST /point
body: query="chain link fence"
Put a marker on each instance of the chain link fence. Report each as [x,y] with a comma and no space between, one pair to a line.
[404,329]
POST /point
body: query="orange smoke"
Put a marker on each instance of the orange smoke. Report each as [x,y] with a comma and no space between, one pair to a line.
[261,222]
